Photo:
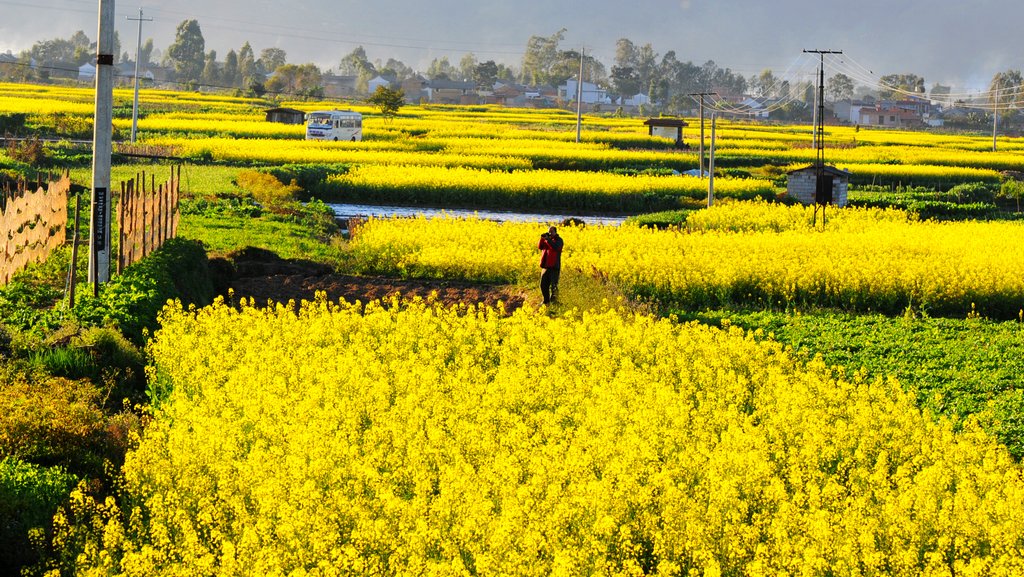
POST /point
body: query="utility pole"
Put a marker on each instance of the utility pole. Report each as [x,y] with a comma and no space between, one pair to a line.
[99,229]
[995,120]
[138,51]
[579,98]
[822,196]
[711,163]
[700,96]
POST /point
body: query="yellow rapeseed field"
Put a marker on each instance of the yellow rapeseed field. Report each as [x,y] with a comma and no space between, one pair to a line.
[881,262]
[415,440]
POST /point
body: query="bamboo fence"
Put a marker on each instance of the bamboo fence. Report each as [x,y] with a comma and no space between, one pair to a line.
[32,223]
[147,217]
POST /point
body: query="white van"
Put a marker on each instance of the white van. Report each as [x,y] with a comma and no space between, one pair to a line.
[334,125]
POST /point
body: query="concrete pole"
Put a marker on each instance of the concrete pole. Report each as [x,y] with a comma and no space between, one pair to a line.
[700,163]
[579,99]
[138,51]
[711,163]
[995,121]
[99,241]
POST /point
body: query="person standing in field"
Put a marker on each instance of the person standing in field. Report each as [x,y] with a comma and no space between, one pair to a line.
[551,261]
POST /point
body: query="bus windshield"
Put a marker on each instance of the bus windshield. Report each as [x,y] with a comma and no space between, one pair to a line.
[320,119]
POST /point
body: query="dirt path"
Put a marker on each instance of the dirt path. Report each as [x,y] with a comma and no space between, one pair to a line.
[263,276]
[285,287]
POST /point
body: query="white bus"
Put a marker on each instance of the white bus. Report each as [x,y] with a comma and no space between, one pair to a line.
[334,125]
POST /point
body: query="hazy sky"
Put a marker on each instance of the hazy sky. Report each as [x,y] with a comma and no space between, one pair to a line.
[960,44]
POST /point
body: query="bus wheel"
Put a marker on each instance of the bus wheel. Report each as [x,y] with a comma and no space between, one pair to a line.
[335,139]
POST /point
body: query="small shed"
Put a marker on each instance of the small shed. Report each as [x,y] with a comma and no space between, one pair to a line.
[802,184]
[670,128]
[286,116]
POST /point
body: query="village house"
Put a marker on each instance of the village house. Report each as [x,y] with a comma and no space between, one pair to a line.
[337,86]
[591,93]
[414,89]
[443,91]
[377,81]
[892,117]
[849,110]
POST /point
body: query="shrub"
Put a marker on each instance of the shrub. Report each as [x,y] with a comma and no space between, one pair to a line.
[67,362]
[268,190]
[974,192]
[29,151]
[311,178]
[131,301]
[29,498]
[1012,190]
[663,219]
[53,421]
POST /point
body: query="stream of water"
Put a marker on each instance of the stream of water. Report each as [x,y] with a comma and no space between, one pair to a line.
[344,211]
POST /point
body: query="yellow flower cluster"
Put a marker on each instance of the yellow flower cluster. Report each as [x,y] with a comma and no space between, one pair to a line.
[539,183]
[877,262]
[416,440]
[214,125]
[760,215]
[313,151]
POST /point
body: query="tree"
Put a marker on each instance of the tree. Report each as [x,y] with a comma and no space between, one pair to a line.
[188,52]
[566,65]
[395,68]
[541,54]
[355,63]
[466,66]
[765,84]
[271,58]
[229,74]
[248,71]
[625,80]
[940,92]
[839,87]
[48,52]
[646,65]
[441,69]
[1005,90]
[145,53]
[507,73]
[84,50]
[211,71]
[896,86]
[304,80]
[485,74]
[388,101]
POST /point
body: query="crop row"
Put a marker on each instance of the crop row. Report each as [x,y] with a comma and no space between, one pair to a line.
[445,186]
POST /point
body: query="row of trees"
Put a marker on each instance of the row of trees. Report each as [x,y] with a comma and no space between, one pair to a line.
[637,69]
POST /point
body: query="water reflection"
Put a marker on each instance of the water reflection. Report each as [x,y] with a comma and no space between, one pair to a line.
[380,211]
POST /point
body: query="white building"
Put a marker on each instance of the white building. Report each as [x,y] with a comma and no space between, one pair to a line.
[591,94]
[86,72]
[639,99]
[377,81]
